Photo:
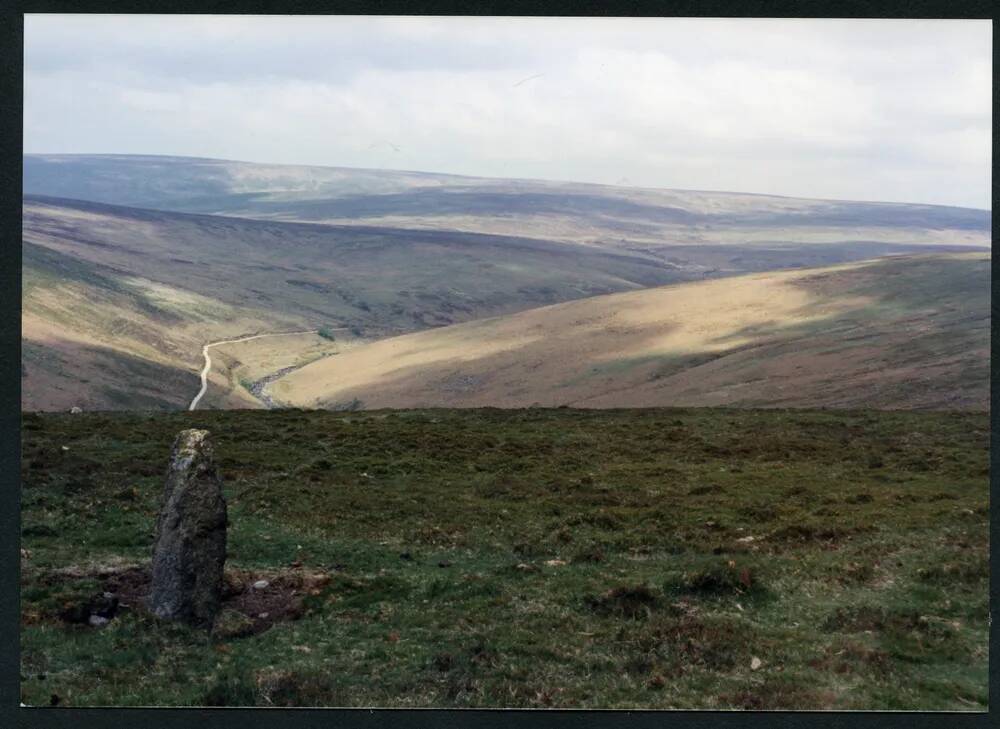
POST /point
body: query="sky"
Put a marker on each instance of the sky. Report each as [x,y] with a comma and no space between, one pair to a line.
[894,110]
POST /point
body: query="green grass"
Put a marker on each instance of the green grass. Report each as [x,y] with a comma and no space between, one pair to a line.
[592,558]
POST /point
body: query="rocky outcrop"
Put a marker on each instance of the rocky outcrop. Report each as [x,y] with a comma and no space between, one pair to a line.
[190,548]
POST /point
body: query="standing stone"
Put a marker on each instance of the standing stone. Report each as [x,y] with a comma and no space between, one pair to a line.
[190,547]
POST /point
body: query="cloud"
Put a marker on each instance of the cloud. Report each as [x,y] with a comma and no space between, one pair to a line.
[897,110]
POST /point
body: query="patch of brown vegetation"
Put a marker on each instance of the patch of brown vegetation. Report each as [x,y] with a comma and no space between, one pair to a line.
[849,656]
[779,693]
[630,601]
[280,601]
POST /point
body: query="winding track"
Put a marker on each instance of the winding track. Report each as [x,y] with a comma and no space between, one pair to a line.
[208,360]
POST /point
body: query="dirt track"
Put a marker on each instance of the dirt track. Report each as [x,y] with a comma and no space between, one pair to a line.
[208,359]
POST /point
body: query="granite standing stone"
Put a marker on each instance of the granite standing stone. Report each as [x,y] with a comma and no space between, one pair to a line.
[190,548]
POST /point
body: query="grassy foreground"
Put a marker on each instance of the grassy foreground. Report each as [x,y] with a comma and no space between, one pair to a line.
[664,558]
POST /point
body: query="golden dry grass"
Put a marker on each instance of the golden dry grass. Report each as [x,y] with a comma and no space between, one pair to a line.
[799,337]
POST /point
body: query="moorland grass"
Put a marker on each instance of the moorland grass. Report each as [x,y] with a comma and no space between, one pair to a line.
[532,558]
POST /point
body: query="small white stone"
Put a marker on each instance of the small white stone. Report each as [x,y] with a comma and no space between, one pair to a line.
[755,663]
[260,584]
[97,621]
[263,615]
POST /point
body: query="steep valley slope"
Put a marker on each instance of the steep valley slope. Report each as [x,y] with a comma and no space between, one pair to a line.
[905,332]
[95,338]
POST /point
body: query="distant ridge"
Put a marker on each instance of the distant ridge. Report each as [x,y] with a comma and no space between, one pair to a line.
[34,159]
[631,218]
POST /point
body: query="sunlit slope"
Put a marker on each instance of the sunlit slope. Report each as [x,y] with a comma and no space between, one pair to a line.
[640,219]
[908,332]
[95,339]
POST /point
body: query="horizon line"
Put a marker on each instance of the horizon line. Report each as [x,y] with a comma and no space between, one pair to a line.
[488,177]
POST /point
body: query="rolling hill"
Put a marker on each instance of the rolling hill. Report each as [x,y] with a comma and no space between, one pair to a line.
[132,263]
[384,278]
[113,295]
[643,219]
[907,332]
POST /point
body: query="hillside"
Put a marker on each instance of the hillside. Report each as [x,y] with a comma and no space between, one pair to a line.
[113,294]
[95,338]
[140,261]
[389,279]
[643,219]
[908,332]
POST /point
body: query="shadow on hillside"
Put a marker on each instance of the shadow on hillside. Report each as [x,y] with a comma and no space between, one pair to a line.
[64,374]
[926,314]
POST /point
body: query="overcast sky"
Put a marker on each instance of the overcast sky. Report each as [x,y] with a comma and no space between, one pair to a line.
[851,109]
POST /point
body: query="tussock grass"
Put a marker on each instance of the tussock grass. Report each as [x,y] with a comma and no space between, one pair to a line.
[530,558]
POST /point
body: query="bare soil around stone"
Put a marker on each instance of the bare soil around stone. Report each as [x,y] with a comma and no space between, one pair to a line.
[280,601]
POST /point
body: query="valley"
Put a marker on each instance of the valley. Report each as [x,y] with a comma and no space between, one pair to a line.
[132,264]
